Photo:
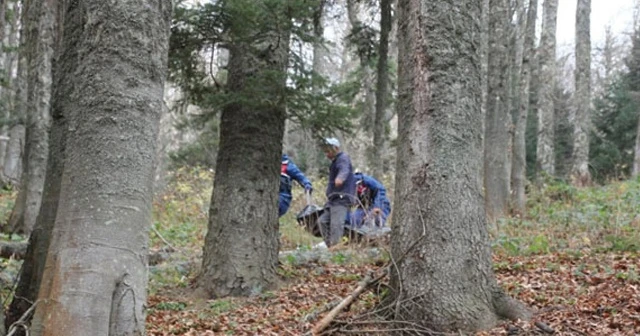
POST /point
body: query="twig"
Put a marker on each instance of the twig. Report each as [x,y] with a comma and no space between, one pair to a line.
[164,240]
[21,322]
[324,323]
[544,327]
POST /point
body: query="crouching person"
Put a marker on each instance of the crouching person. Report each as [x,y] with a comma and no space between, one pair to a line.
[372,203]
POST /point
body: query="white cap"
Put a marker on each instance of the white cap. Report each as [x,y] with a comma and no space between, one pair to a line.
[332,142]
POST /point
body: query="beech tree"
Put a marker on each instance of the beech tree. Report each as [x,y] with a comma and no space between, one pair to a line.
[580,174]
[443,274]
[109,77]
[545,160]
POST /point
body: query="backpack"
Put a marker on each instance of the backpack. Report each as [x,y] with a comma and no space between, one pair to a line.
[285,179]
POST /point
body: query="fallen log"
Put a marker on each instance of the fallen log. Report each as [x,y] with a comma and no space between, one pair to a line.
[362,286]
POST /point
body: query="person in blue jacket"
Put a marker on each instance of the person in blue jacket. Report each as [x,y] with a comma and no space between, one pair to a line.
[372,201]
[289,172]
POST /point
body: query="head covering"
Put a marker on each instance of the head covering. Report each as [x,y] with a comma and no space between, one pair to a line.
[332,142]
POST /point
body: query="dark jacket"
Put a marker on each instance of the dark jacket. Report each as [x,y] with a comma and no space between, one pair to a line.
[345,194]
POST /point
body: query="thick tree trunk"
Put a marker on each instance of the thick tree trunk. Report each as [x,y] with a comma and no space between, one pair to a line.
[545,156]
[519,162]
[241,246]
[498,117]
[444,278]
[112,68]
[382,84]
[580,175]
[40,27]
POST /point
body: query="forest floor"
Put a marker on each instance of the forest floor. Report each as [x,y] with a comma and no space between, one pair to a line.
[573,258]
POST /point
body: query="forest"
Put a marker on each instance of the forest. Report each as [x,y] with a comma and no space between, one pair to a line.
[319,167]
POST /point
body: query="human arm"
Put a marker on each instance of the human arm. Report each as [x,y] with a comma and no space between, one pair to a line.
[379,191]
[343,164]
[296,174]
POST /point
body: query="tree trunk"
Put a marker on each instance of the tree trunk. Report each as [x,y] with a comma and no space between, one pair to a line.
[580,175]
[545,160]
[6,94]
[498,118]
[40,27]
[240,254]
[519,165]
[111,74]
[13,159]
[32,268]
[444,278]
[380,120]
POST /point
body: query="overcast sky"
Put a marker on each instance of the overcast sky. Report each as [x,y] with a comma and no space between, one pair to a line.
[616,13]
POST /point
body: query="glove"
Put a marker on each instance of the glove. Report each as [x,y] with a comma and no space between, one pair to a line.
[308,189]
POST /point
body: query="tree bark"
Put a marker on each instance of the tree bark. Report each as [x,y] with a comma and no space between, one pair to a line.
[580,175]
[35,258]
[6,95]
[13,159]
[382,84]
[444,278]
[111,75]
[40,27]
[519,161]
[498,118]
[240,254]
[545,160]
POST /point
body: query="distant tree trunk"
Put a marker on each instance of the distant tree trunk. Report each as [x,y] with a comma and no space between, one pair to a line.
[580,175]
[498,118]
[444,276]
[13,159]
[380,121]
[6,93]
[241,246]
[545,160]
[519,165]
[95,278]
[40,27]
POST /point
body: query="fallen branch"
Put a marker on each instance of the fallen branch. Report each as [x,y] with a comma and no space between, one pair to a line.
[15,250]
[21,323]
[326,321]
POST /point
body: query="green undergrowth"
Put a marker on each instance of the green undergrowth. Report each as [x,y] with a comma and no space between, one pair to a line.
[561,217]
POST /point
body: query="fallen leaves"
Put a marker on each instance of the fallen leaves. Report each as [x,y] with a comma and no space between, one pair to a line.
[573,294]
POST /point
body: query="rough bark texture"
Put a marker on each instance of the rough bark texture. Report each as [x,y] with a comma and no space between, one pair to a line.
[498,118]
[110,86]
[382,84]
[580,175]
[241,246]
[545,160]
[519,161]
[40,27]
[444,278]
